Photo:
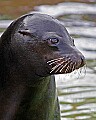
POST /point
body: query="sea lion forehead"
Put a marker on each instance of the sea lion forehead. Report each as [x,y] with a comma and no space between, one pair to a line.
[43,26]
[42,22]
[35,18]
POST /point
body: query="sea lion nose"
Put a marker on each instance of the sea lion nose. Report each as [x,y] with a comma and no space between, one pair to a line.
[83,62]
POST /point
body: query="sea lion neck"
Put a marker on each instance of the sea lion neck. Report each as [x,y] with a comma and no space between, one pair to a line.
[17,74]
[27,79]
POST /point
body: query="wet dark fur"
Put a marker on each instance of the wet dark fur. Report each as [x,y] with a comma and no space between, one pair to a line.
[32,49]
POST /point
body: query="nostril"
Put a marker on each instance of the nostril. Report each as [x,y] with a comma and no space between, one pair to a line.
[83,61]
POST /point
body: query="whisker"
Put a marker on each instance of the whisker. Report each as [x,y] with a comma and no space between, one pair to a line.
[54,62]
[73,68]
[67,69]
[52,70]
[60,66]
[85,66]
[56,66]
[71,65]
[55,59]
[64,66]
[82,72]
[79,72]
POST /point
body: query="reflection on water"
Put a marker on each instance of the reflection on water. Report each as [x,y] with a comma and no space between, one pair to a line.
[77,91]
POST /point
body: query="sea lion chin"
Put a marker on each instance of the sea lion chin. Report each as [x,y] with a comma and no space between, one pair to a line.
[32,49]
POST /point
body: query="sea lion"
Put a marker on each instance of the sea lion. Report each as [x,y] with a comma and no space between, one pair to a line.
[32,49]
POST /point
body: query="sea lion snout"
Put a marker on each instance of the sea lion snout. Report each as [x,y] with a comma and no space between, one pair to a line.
[66,64]
[70,59]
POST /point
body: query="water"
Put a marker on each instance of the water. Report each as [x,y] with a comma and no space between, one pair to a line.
[77,91]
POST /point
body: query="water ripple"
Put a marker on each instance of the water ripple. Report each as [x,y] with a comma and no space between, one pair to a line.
[63,8]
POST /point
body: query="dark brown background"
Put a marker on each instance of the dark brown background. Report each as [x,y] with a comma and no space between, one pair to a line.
[15,8]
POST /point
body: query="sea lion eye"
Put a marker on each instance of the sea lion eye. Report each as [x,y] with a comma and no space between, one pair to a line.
[53,41]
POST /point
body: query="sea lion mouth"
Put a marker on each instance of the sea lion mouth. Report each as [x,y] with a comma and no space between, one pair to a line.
[65,65]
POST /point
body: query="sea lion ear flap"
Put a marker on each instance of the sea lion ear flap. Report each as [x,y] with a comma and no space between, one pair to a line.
[25,32]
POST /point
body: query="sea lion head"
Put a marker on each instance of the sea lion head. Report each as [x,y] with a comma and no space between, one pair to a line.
[41,45]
